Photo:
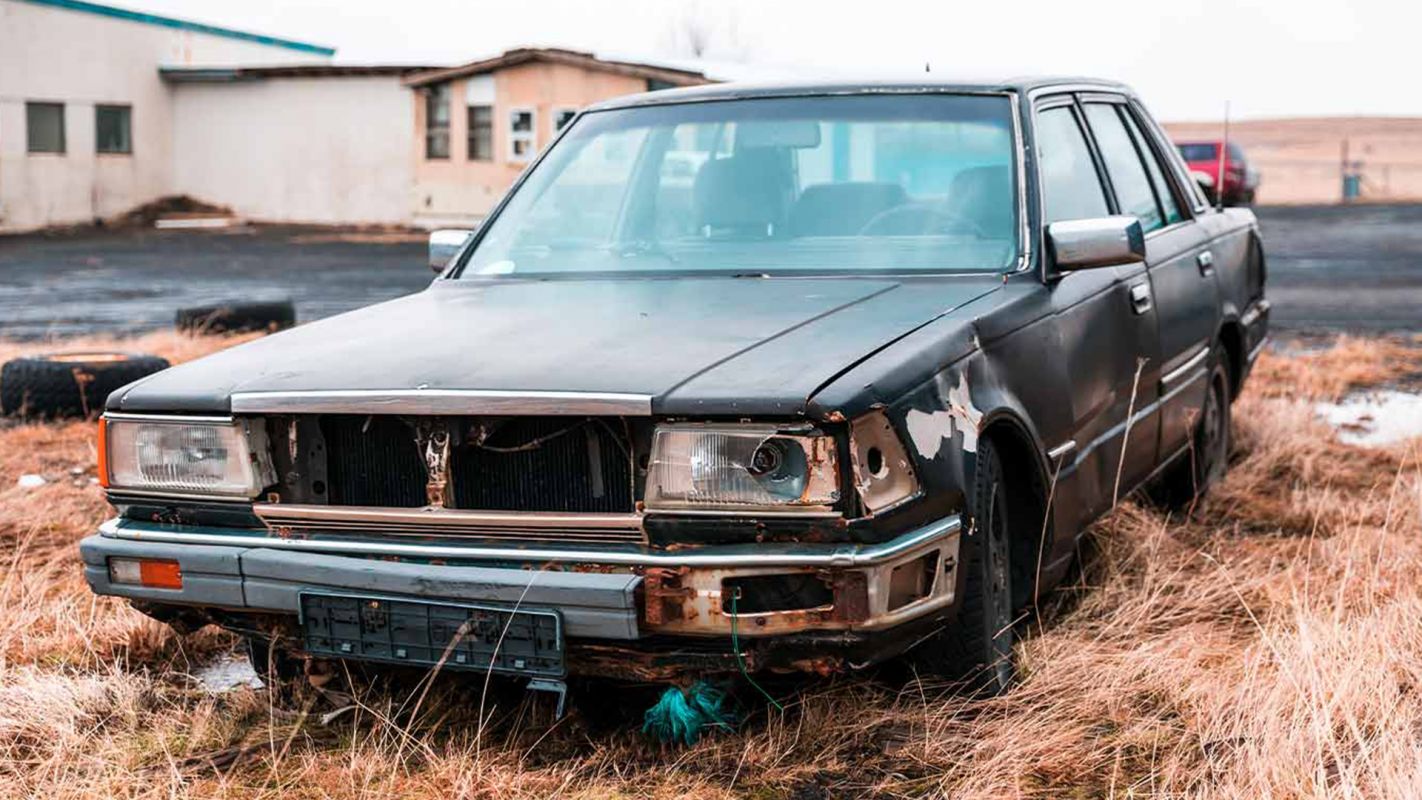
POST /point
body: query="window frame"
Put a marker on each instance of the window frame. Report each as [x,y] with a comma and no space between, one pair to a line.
[1029,242]
[63,133]
[513,137]
[1184,184]
[1117,103]
[127,108]
[430,98]
[1049,102]
[469,110]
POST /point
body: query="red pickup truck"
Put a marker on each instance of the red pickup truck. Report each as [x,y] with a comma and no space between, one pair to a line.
[1240,179]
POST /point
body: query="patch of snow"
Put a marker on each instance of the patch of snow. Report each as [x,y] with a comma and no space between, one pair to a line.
[31,481]
[1374,418]
[232,671]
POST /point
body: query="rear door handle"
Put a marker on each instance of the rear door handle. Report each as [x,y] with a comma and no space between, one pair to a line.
[1140,298]
[1206,261]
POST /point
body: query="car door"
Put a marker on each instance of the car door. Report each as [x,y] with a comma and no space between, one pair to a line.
[1105,324]
[1181,267]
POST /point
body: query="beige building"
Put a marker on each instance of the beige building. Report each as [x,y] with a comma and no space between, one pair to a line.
[478,125]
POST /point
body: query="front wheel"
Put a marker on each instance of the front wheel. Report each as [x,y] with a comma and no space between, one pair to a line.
[977,647]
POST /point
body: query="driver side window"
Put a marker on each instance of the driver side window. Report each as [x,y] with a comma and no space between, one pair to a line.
[1070,185]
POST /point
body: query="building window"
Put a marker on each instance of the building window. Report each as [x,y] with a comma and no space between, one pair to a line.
[44,124]
[521,130]
[437,121]
[113,129]
[657,84]
[481,133]
[562,116]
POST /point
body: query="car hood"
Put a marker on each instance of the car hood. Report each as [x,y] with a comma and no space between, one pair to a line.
[712,345]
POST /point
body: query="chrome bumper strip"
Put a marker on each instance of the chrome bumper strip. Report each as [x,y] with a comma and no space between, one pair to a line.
[442,401]
[723,556]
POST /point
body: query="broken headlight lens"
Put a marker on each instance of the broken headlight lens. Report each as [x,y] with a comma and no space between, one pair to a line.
[739,467]
[189,457]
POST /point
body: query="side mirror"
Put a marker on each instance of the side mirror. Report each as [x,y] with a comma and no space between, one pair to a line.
[1090,243]
[444,245]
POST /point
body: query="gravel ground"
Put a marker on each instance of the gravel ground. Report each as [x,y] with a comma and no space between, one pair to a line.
[1331,268]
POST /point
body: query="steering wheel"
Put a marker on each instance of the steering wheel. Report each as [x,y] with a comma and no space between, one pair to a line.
[918,219]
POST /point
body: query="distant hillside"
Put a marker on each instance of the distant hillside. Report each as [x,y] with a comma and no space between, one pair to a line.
[1299,159]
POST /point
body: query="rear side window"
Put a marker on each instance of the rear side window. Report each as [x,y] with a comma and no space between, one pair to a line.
[1071,189]
[1123,164]
[1163,194]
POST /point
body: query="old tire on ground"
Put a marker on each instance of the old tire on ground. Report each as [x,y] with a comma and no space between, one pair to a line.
[977,648]
[69,384]
[1205,463]
[236,317]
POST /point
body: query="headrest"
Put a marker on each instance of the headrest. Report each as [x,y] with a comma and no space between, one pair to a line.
[747,192]
[841,209]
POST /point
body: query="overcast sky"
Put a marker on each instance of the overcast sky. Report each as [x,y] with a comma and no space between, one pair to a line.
[1185,57]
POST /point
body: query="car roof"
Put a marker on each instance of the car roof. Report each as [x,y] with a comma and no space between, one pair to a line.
[927,84]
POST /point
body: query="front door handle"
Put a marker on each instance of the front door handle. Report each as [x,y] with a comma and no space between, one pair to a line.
[1140,298]
[1206,261]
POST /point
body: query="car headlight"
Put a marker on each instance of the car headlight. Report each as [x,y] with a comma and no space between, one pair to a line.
[739,467]
[173,454]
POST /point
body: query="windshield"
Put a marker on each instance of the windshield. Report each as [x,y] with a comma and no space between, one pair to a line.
[863,183]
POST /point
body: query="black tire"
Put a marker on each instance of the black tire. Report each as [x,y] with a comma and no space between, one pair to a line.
[977,648]
[272,664]
[69,384]
[236,317]
[1208,458]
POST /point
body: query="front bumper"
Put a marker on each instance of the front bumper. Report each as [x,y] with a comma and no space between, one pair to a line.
[611,593]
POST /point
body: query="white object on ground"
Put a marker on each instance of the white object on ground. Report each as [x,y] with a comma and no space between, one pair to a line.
[1374,418]
[31,481]
[229,672]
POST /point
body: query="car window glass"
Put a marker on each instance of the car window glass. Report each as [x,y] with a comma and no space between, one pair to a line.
[1071,189]
[1157,173]
[1123,165]
[769,185]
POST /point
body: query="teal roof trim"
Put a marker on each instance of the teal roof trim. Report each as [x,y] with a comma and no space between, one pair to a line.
[182,25]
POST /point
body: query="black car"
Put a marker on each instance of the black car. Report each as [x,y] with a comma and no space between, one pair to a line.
[798,377]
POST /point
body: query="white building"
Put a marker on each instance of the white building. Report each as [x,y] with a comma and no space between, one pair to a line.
[87,122]
[103,109]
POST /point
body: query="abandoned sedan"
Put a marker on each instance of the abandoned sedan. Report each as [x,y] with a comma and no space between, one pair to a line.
[735,378]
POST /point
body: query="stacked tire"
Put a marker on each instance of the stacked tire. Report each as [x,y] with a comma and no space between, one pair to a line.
[236,317]
[69,384]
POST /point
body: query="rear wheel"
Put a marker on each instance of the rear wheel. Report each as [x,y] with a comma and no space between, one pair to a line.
[977,647]
[1208,458]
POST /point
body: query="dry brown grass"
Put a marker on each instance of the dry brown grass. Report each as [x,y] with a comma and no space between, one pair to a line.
[1266,646]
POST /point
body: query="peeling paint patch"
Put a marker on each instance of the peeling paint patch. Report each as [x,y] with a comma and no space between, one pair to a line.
[930,430]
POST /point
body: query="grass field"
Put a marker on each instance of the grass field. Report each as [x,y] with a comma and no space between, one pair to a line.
[1268,645]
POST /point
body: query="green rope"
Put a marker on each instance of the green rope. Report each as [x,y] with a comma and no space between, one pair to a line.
[681,716]
[741,662]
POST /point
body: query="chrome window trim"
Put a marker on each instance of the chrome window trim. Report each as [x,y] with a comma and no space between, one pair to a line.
[442,401]
[787,554]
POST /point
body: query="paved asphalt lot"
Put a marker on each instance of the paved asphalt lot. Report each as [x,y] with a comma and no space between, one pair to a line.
[1331,268]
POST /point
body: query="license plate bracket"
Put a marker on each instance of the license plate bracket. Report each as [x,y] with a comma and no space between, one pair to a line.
[519,641]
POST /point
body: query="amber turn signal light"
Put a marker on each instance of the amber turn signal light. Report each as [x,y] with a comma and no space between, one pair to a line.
[103,452]
[150,572]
